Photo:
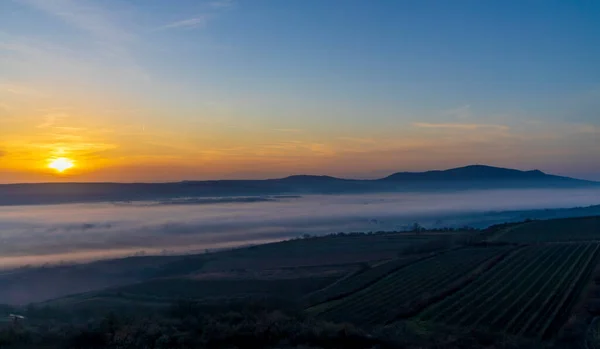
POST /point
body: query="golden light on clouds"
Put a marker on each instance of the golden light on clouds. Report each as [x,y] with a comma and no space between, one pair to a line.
[61,165]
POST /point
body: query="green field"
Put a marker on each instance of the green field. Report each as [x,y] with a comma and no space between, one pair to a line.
[557,230]
[408,288]
[531,293]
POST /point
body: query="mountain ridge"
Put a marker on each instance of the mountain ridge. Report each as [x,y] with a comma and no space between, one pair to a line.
[473,177]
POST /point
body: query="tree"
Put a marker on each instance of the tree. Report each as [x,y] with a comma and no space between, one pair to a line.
[417,228]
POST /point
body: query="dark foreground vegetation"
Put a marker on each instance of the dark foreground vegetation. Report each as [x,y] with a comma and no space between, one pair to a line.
[239,325]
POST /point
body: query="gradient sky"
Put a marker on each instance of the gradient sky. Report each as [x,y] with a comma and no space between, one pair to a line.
[155,90]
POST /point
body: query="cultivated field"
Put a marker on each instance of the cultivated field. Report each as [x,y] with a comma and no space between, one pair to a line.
[528,281]
[182,288]
[361,279]
[531,293]
[328,250]
[409,288]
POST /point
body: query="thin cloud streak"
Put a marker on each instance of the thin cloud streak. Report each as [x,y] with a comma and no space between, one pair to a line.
[52,119]
[200,20]
[459,126]
[190,23]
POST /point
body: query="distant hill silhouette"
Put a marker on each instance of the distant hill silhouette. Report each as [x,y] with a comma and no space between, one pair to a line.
[463,178]
[475,172]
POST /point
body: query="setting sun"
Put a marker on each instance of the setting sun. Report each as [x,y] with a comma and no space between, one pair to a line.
[61,164]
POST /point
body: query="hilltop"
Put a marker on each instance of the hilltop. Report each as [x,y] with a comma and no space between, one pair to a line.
[475,172]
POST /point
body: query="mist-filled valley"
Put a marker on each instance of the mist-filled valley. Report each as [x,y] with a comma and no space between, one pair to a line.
[309,174]
[82,232]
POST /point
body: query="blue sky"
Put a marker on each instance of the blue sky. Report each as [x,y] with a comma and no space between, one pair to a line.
[234,88]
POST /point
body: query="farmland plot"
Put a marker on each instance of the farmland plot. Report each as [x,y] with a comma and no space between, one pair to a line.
[529,294]
[408,288]
[356,282]
[557,230]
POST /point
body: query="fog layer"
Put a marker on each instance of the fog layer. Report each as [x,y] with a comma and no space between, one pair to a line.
[41,234]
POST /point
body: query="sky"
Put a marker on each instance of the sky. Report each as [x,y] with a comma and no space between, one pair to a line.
[154,90]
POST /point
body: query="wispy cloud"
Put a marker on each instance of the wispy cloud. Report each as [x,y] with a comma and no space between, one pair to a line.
[17,89]
[459,126]
[289,130]
[51,119]
[189,23]
[202,19]
[84,15]
[110,39]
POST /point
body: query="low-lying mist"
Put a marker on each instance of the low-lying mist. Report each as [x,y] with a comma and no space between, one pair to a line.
[50,234]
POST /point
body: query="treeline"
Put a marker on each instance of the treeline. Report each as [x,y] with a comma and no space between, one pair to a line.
[415,228]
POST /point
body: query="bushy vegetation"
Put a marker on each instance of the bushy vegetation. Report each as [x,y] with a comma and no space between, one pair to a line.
[237,325]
